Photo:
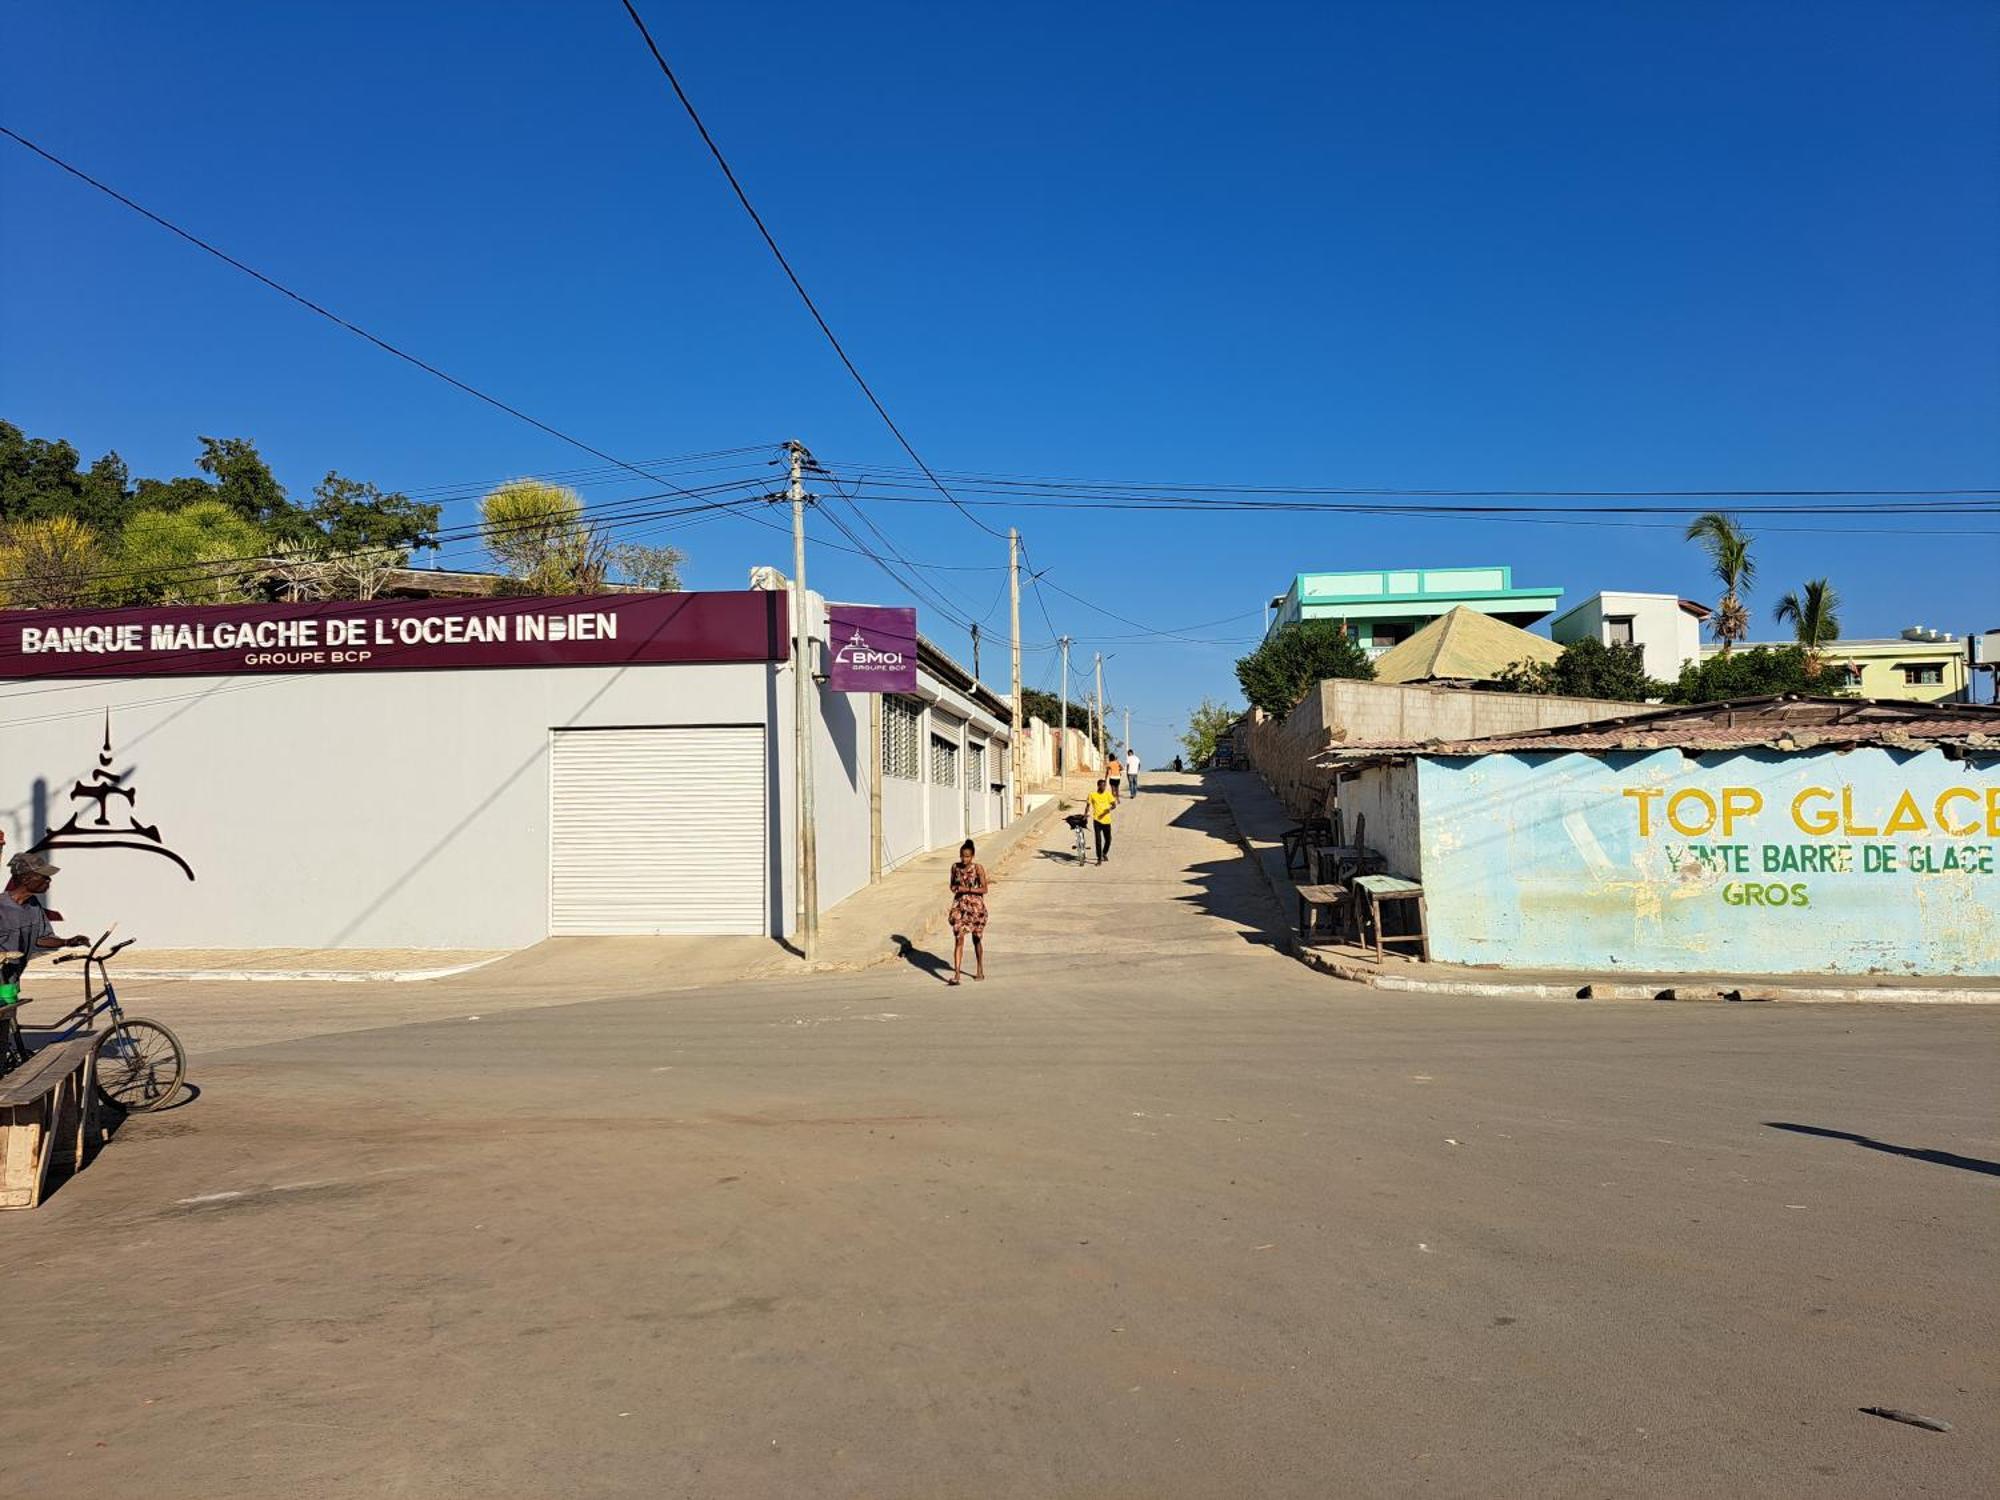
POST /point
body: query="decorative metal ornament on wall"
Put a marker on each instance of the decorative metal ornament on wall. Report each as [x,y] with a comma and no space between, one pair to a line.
[91,827]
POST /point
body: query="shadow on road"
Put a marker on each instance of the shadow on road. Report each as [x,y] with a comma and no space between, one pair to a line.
[1229,887]
[1937,1158]
[919,958]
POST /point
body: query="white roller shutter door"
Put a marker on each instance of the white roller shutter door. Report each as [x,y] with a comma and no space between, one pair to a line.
[657,831]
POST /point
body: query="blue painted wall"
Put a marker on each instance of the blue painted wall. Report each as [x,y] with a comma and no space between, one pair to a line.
[1872,861]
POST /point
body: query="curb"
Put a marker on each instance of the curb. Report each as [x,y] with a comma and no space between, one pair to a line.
[304,976]
[1697,991]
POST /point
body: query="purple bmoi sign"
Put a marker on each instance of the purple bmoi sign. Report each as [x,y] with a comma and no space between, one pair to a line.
[394,635]
[871,649]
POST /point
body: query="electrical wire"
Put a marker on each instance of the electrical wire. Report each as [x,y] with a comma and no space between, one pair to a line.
[791,275]
[332,317]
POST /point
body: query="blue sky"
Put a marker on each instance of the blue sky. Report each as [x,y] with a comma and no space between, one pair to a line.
[1415,245]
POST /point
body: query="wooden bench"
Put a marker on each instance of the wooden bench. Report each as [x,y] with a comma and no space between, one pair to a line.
[1375,890]
[1336,901]
[48,1109]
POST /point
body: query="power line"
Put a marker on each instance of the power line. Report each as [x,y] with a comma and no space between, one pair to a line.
[332,317]
[791,275]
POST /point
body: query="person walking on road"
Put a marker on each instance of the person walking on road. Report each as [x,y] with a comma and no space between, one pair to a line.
[1101,802]
[968,912]
[1113,770]
[1132,770]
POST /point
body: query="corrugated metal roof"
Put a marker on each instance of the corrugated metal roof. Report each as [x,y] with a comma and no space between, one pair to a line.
[1789,722]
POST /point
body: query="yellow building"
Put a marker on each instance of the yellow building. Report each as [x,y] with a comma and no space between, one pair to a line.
[1920,666]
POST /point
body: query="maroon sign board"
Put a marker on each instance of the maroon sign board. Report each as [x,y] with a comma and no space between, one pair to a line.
[399,635]
[871,649]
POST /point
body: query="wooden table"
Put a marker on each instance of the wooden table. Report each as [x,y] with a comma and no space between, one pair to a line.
[48,1108]
[1377,889]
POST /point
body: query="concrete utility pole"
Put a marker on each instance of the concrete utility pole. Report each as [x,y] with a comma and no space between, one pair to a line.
[1099,741]
[1128,729]
[1014,741]
[802,711]
[1062,743]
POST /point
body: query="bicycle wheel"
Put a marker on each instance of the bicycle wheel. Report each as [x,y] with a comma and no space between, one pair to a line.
[140,1065]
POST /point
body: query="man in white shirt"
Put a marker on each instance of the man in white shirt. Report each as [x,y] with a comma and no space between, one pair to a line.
[1132,769]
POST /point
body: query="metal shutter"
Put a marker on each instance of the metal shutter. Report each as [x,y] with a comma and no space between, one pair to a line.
[657,831]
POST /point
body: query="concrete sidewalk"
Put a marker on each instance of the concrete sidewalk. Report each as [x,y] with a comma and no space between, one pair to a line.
[1261,820]
[860,931]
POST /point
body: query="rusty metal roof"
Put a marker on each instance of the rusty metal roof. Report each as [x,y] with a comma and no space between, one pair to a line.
[1782,722]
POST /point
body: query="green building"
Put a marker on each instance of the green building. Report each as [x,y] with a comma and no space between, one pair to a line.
[1382,607]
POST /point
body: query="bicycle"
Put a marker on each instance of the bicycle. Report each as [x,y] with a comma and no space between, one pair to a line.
[140,1063]
[1079,825]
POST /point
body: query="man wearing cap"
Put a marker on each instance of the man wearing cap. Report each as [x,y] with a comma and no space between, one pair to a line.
[24,922]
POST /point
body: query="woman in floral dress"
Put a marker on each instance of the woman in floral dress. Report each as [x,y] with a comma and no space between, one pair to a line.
[968,912]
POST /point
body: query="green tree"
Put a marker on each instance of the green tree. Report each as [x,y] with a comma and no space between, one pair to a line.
[204,553]
[348,515]
[1756,673]
[1294,658]
[1206,725]
[1587,668]
[50,562]
[537,532]
[1814,615]
[654,568]
[41,478]
[1727,544]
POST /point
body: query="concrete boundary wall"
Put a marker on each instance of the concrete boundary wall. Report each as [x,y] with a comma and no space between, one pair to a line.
[1340,711]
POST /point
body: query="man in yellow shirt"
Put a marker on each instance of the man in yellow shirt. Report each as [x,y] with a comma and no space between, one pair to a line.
[1101,802]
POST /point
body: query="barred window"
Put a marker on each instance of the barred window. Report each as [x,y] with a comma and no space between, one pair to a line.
[899,737]
[975,773]
[944,761]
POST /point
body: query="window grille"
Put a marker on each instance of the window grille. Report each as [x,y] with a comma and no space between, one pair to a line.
[975,773]
[944,761]
[899,738]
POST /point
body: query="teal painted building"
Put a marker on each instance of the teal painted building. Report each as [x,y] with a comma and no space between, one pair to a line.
[1382,606]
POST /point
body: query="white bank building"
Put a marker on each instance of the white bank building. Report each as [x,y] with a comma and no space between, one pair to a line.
[467,773]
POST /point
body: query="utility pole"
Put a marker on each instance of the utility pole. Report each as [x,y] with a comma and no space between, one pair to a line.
[975,651]
[1062,744]
[1128,729]
[1099,742]
[802,712]
[1014,744]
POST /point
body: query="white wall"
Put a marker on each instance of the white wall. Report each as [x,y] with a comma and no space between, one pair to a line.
[362,810]
[1386,794]
[1670,635]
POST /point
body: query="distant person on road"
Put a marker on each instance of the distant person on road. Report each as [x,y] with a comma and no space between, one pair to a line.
[1113,772]
[1132,770]
[968,912]
[1101,802]
[1177,765]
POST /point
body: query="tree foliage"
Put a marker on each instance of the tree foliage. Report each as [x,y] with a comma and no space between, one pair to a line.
[1292,659]
[1814,615]
[1755,673]
[49,562]
[1587,668]
[1727,544]
[1206,725]
[234,509]
[1047,707]
[654,568]
[203,553]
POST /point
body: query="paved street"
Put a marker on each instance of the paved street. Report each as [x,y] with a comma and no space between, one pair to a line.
[1154,1211]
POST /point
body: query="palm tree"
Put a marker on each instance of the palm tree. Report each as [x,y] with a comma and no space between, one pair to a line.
[1728,548]
[1814,617]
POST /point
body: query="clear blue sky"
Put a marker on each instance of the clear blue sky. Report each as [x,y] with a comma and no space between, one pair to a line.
[1440,245]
